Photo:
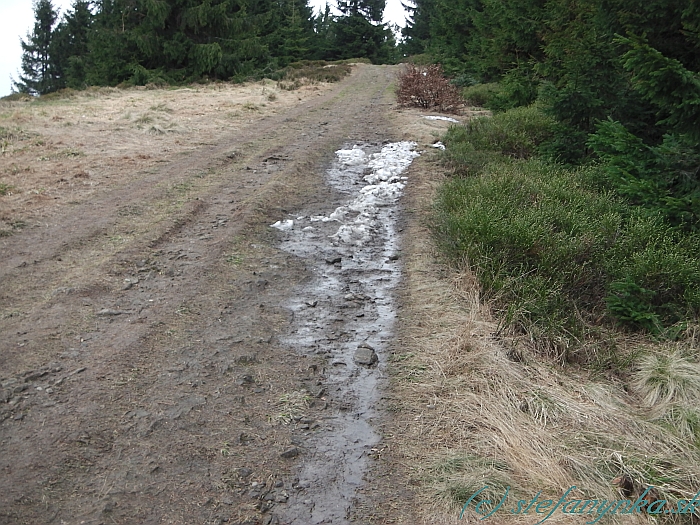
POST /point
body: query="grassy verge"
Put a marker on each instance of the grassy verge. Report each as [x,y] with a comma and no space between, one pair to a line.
[561,259]
[574,359]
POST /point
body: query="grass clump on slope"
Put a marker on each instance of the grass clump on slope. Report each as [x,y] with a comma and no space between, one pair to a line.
[558,256]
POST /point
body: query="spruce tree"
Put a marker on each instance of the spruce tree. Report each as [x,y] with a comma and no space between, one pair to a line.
[416,33]
[69,47]
[38,75]
[359,33]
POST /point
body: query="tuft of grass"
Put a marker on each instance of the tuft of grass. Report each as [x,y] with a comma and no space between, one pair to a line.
[292,405]
[143,119]
[684,420]
[6,189]
[162,107]
[457,477]
[666,378]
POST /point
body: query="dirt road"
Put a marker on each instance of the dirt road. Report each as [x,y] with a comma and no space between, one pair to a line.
[167,357]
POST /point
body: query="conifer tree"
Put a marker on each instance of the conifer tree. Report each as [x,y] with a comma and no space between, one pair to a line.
[416,32]
[69,47]
[38,75]
[360,32]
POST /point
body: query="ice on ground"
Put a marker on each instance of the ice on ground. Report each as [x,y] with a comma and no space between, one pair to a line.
[352,157]
[360,218]
[439,145]
[283,225]
[385,185]
[391,161]
[436,117]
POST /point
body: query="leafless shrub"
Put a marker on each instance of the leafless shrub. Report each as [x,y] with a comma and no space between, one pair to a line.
[426,87]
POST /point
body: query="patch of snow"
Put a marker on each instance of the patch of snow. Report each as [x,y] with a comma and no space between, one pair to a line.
[283,225]
[439,145]
[351,157]
[360,218]
[435,117]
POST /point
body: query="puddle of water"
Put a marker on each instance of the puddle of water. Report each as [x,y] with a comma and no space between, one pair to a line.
[349,302]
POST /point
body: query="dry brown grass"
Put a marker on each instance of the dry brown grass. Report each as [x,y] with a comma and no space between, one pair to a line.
[64,147]
[475,408]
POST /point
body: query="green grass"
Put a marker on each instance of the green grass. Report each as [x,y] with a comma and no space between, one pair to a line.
[481,94]
[5,188]
[517,134]
[558,257]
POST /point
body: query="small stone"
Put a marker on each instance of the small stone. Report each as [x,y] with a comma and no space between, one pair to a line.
[106,312]
[244,472]
[246,380]
[290,453]
[365,355]
[334,260]
[31,376]
[281,498]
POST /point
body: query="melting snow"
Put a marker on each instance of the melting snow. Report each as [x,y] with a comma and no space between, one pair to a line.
[439,145]
[384,186]
[435,117]
[283,225]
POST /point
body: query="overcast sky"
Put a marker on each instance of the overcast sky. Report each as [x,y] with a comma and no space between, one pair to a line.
[17,18]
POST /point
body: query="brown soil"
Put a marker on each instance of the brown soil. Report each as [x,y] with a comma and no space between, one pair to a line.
[143,375]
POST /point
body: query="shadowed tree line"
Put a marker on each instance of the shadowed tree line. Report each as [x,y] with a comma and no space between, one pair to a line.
[109,42]
[619,76]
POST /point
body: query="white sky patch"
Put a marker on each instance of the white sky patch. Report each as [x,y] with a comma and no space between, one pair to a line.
[435,117]
[394,13]
[16,20]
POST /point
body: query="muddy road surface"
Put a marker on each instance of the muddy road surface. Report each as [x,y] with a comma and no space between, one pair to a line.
[169,357]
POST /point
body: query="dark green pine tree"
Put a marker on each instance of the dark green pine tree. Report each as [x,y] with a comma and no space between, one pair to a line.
[69,47]
[323,40]
[296,31]
[144,41]
[372,10]
[286,29]
[38,76]
[359,33]
[111,51]
[416,33]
